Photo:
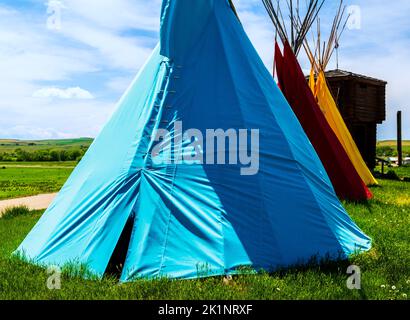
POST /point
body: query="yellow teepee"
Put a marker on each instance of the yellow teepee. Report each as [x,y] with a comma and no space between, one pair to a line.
[334,118]
[326,101]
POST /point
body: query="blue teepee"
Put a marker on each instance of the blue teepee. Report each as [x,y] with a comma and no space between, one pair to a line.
[195,219]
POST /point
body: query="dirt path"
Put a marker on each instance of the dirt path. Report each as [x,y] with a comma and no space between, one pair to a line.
[39,202]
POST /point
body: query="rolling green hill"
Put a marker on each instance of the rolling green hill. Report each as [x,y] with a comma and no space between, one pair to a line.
[43,150]
[10,145]
[17,150]
[389,148]
[392,143]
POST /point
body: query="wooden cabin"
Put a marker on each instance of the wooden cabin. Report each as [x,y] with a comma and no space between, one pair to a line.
[362,103]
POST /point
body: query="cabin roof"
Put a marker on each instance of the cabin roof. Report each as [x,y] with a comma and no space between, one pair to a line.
[332,74]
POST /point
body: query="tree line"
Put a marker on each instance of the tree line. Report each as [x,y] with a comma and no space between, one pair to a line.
[75,154]
[387,151]
[21,155]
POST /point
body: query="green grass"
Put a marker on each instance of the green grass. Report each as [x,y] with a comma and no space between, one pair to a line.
[43,164]
[23,181]
[393,146]
[401,172]
[9,145]
[13,212]
[386,219]
[392,143]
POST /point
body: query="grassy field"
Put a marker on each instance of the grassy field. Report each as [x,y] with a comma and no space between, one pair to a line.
[385,269]
[35,145]
[43,164]
[9,145]
[401,172]
[43,150]
[393,145]
[27,179]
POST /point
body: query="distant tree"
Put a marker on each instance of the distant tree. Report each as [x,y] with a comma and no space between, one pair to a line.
[386,151]
[74,154]
[55,155]
[22,155]
[6,157]
[41,155]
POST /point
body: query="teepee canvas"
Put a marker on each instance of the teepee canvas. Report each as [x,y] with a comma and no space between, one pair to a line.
[345,179]
[196,219]
[324,97]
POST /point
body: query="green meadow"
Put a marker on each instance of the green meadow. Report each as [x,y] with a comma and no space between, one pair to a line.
[43,150]
[27,179]
[9,145]
[392,143]
[389,148]
[385,270]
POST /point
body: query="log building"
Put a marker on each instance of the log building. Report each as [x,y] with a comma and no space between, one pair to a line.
[362,103]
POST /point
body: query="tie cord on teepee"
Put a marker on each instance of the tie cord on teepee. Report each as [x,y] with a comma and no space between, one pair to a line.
[191,220]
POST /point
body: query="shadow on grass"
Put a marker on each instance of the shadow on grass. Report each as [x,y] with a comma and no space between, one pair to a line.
[325,265]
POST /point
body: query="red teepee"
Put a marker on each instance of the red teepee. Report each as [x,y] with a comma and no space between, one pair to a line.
[345,179]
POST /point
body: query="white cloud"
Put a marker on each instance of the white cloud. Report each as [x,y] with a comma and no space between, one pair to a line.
[45,118]
[102,44]
[22,132]
[380,49]
[69,93]
[120,84]
[50,64]
[112,51]
[260,31]
[116,14]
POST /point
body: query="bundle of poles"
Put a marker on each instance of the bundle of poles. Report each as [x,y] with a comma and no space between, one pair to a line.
[293,28]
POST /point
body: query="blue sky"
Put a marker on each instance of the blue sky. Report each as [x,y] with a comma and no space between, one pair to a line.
[65,83]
